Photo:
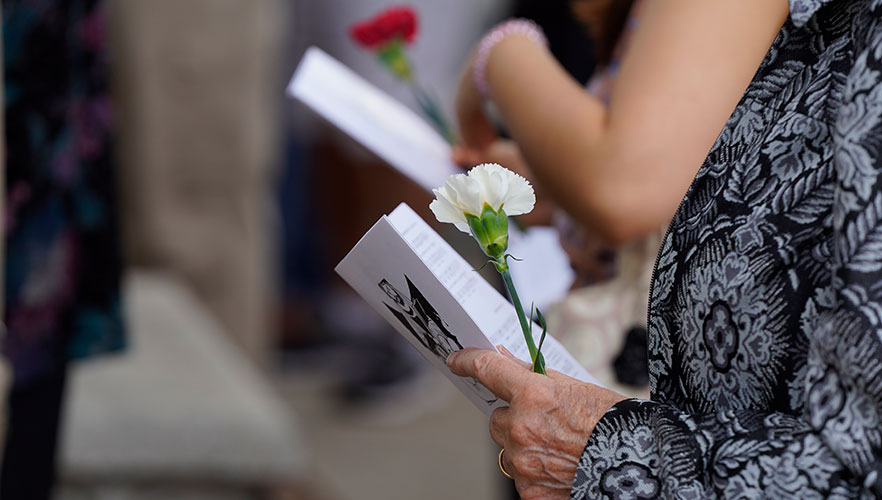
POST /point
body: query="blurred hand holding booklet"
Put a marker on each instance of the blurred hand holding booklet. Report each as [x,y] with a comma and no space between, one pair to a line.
[415,280]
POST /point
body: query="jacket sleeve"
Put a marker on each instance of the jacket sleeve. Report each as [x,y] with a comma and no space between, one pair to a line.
[644,449]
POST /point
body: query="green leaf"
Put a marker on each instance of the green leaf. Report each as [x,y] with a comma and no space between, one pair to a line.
[544,329]
[532,309]
[484,265]
[539,363]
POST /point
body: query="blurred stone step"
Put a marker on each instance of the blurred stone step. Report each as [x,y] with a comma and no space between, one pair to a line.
[181,405]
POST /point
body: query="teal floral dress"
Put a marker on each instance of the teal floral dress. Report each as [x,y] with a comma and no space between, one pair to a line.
[63,264]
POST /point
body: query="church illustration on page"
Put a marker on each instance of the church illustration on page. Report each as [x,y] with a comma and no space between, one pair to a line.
[422,320]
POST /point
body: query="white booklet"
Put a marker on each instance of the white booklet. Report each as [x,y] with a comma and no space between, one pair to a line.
[373,118]
[415,280]
[406,142]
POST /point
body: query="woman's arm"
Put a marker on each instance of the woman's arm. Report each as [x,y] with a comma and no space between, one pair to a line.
[647,449]
[622,170]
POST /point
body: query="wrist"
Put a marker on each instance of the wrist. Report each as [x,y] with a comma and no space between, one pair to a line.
[512,27]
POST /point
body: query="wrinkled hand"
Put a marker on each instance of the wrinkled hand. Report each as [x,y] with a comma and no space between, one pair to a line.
[546,426]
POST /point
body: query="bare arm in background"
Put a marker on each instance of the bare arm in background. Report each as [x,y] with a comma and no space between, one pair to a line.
[623,169]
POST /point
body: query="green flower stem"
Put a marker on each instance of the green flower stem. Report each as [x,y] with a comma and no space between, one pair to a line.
[394,56]
[502,267]
[433,112]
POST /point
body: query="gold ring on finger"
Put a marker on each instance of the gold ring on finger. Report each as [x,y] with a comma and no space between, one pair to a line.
[501,468]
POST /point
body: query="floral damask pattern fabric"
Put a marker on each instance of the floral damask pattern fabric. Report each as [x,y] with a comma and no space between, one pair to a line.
[765,342]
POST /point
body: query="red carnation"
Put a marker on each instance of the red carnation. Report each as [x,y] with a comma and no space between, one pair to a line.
[407,23]
[391,24]
[365,35]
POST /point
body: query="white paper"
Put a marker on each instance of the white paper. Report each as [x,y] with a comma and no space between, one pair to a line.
[444,304]
[373,118]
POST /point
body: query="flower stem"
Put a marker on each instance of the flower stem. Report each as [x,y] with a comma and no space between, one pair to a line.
[433,112]
[525,325]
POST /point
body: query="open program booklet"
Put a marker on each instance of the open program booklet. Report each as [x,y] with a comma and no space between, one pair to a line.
[413,278]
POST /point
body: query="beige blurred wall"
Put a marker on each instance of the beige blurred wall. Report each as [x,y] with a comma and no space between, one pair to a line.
[197,90]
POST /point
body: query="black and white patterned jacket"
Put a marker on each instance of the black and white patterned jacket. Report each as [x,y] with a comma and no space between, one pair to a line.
[765,343]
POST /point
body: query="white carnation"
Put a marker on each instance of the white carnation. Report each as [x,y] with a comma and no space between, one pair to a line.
[487,183]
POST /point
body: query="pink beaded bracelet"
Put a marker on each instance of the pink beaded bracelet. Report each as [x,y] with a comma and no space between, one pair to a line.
[523,27]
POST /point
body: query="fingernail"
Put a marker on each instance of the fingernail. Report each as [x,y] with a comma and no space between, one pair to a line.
[505,352]
[451,357]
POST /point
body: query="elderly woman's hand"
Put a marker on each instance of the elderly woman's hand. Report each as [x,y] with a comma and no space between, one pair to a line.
[546,426]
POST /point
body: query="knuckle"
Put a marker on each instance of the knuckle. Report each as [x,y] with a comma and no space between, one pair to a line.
[538,395]
[521,432]
[496,424]
[481,364]
[496,417]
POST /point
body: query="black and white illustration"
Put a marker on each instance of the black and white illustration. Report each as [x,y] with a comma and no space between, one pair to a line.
[426,325]
[421,319]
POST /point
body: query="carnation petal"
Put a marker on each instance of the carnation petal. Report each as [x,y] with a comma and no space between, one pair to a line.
[464,193]
[450,189]
[502,187]
[493,181]
[463,226]
[444,211]
[520,198]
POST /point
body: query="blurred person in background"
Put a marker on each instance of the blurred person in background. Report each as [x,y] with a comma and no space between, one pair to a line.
[63,264]
[602,321]
[5,375]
